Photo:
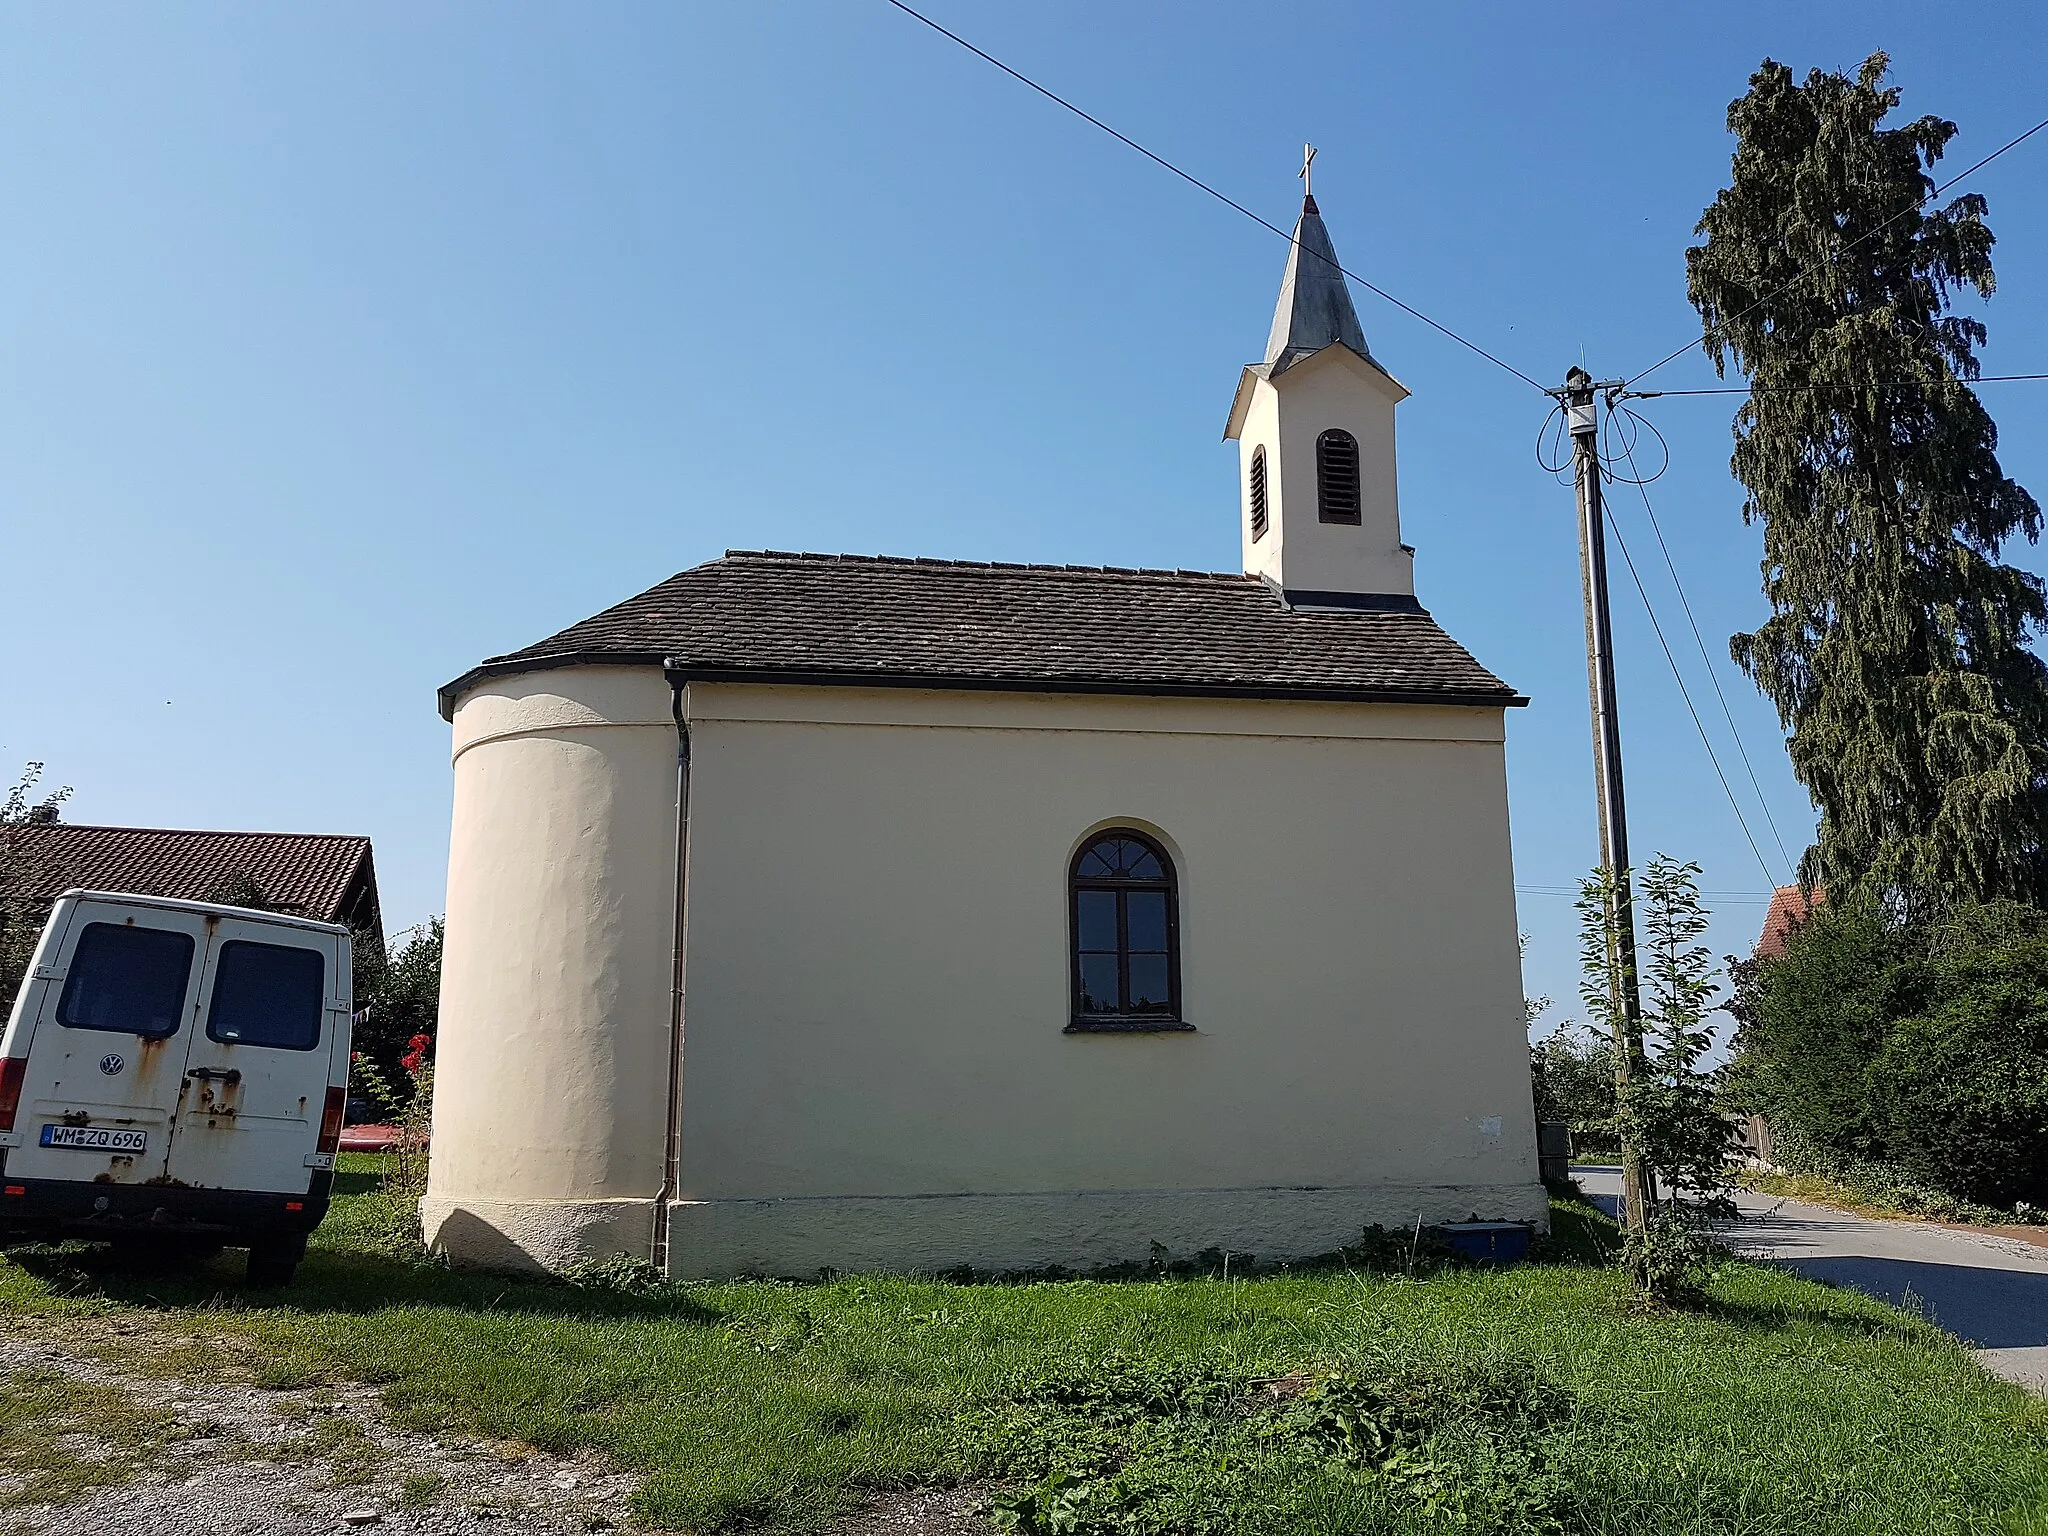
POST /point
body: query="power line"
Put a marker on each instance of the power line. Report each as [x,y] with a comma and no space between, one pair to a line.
[1713,674]
[1201,185]
[1802,276]
[1782,389]
[1686,694]
[1720,898]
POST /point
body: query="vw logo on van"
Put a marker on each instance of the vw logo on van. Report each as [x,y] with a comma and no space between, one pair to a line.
[112,1063]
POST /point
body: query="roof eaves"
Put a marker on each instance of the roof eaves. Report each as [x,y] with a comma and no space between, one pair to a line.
[448,695]
[679,671]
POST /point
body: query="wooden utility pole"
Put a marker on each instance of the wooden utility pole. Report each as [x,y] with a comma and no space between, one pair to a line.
[1581,406]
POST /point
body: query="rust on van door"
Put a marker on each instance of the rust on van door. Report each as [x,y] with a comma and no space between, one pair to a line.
[121,1082]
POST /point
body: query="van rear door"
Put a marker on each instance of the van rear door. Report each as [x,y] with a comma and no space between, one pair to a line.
[256,1068]
[107,1056]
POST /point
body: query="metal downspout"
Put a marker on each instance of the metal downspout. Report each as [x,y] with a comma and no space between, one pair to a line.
[672,1134]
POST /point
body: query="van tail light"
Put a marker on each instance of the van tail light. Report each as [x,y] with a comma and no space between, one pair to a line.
[13,1070]
[330,1120]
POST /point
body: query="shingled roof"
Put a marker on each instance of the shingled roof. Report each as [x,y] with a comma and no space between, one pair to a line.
[328,878]
[771,616]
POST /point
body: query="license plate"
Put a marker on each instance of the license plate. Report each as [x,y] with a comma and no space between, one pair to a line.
[94,1138]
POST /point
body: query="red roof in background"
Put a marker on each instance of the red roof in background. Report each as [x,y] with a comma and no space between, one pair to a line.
[1789,908]
[326,877]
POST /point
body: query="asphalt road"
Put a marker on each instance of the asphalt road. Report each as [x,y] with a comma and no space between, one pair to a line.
[1991,1292]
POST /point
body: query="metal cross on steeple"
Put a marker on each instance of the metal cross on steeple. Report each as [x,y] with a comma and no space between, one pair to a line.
[1308,160]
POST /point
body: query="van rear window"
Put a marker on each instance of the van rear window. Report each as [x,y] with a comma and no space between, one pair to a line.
[129,980]
[267,994]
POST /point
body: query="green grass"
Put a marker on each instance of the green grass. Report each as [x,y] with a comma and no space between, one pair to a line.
[1785,1407]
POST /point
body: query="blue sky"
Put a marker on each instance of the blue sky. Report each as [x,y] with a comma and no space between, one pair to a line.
[346,344]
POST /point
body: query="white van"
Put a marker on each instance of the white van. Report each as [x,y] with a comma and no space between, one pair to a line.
[173,1076]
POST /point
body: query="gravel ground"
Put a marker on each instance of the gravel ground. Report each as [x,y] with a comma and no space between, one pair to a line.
[932,1512]
[247,1461]
[231,1459]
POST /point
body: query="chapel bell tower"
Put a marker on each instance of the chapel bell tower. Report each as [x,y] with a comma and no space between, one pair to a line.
[1314,425]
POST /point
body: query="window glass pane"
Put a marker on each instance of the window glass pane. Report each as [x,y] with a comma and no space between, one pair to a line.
[1098,984]
[1097,926]
[129,980]
[1149,993]
[267,994]
[1146,922]
[1098,860]
[1144,866]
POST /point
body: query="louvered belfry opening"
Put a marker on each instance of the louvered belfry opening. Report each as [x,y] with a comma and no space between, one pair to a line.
[1337,477]
[1258,493]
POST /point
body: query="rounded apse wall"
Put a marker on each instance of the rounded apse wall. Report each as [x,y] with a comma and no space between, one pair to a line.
[552,1056]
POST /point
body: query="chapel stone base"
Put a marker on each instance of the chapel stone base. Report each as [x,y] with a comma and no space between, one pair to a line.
[798,1238]
[535,1234]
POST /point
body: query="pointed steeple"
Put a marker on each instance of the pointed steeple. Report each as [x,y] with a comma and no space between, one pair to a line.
[1315,304]
[1314,427]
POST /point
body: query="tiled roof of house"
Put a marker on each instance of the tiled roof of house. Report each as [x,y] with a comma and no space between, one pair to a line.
[328,878]
[765,616]
[1790,906]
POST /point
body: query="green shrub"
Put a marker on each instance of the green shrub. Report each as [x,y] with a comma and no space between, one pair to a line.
[1920,1048]
[1886,1184]
[1812,1020]
[1573,1070]
[1959,1093]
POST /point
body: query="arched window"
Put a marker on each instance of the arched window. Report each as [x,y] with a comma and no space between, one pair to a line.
[1258,493]
[1337,477]
[1125,918]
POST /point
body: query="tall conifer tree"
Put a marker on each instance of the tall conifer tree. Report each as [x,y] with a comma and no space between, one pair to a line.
[1916,716]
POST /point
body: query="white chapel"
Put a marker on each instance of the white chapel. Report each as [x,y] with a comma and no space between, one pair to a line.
[836,911]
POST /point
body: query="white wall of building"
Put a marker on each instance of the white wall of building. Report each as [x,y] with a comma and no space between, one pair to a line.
[878,980]
[876,1069]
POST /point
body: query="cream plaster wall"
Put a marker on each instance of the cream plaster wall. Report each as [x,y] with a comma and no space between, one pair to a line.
[551,1076]
[875,1068]
[1333,388]
[877,979]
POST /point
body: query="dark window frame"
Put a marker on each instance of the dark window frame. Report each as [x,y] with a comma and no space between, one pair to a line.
[1257,476]
[1125,1020]
[220,964]
[1339,494]
[68,998]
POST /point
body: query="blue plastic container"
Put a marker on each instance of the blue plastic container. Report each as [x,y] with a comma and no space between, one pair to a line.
[1489,1242]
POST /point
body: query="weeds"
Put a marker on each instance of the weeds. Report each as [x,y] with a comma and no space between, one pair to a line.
[1675,1256]
[623,1274]
[1119,1449]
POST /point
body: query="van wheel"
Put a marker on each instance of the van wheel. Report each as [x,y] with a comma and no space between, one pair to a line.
[274,1260]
